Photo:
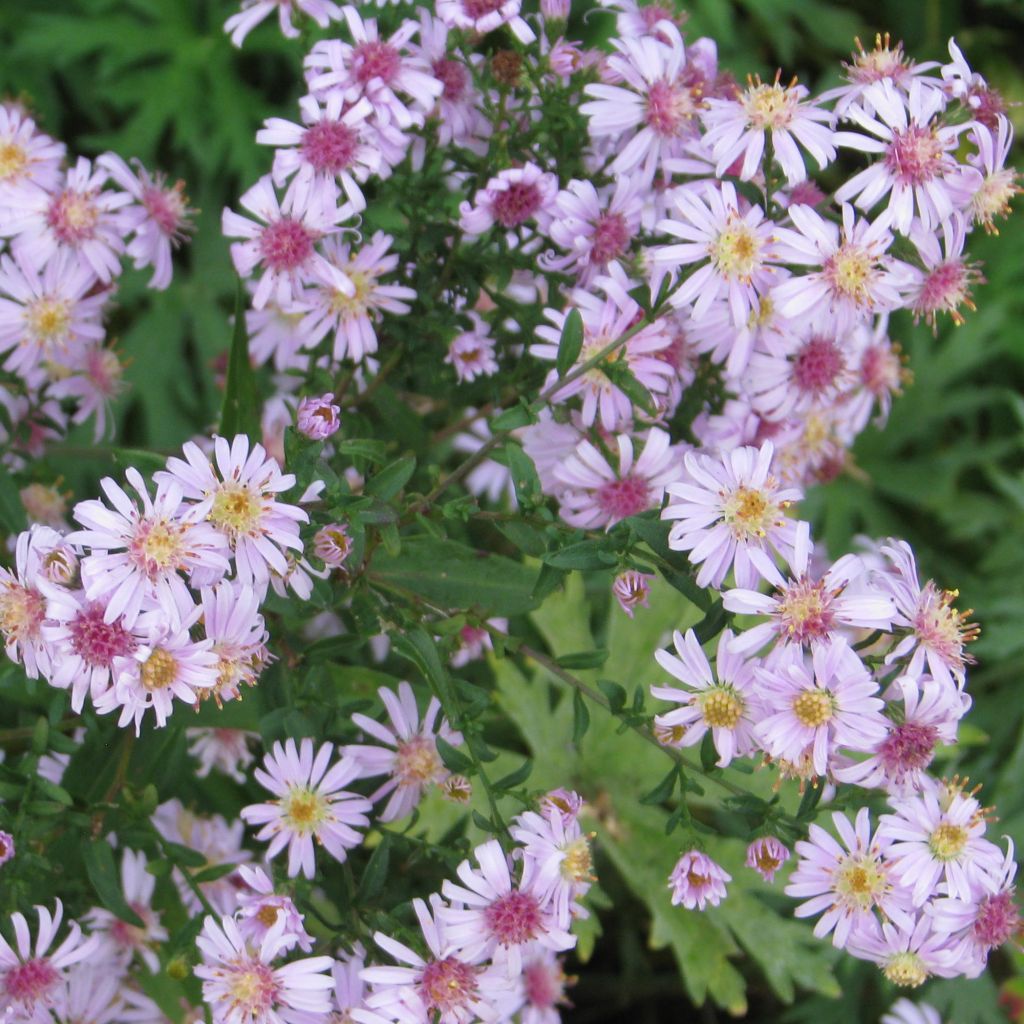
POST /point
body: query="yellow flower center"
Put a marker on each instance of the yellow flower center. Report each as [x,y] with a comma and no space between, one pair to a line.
[418,762]
[12,160]
[303,809]
[159,670]
[769,106]
[850,272]
[947,842]
[736,251]
[860,881]
[21,613]
[236,510]
[993,199]
[576,864]
[721,708]
[48,321]
[906,969]
[749,513]
[813,708]
[267,916]
[358,302]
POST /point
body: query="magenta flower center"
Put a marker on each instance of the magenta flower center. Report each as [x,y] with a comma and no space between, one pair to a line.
[611,236]
[670,108]
[375,59]
[908,748]
[452,75]
[915,155]
[997,920]
[417,762]
[72,216]
[447,985]
[947,287]
[96,641]
[329,146]
[619,499]
[880,370]
[129,935]
[516,204]
[817,365]
[285,244]
[653,13]
[514,918]
[543,985]
[805,611]
[477,9]
[31,981]
[166,207]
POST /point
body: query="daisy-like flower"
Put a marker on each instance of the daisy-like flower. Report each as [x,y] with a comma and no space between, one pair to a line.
[592,229]
[138,555]
[349,987]
[492,917]
[944,285]
[240,982]
[237,635]
[253,12]
[483,16]
[632,590]
[79,216]
[985,104]
[737,129]
[237,493]
[409,756]
[736,252]
[318,417]
[543,984]
[395,80]
[845,883]
[22,603]
[471,353]
[937,631]
[444,987]
[310,803]
[991,182]
[903,1011]
[728,506]
[804,610]
[227,750]
[45,504]
[512,198]
[697,881]
[940,837]
[351,312]
[726,706]
[159,219]
[45,314]
[260,908]
[881,374]
[856,279]
[605,320]
[125,940]
[815,709]
[332,545]
[93,992]
[557,861]
[917,169]
[907,956]
[600,494]
[653,115]
[281,236]
[27,156]
[31,976]
[766,855]
[96,378]
[898,763]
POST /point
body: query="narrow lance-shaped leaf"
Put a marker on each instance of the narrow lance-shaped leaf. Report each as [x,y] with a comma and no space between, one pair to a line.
[570,343]
[240,412]
[106,880]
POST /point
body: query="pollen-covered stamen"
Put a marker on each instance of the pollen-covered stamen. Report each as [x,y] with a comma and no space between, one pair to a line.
[909,747]
[769,105]
[993,198]
[998,919]
[267,915]
[941,628]
[915,156]
[882,371]
[73,215]
[329,146]
[611,238]
[945,289]
[948,841]
[766,862]
[516,204]
[860,882]
[252,989]
[750,513]
[721,707]
[577,864]
[620,499]
[850,272]
[447,986]
[358,302]
[285,244]
[417,762]
[805,611]
[30,982]
[21,613]
[736,252]
[97,642]
[303,809]
[13,160]
[817,365]
[884,61]
[375,59]
[159,670]
[453,76]
[236,509]
[157,546]
[48,322]
[514,918]
[814,708]
[671,107]
[906,969]
[168,208]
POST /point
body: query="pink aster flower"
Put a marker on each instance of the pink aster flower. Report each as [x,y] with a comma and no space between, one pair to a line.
[944,284]
[600,494]
[483,16]
[352,310]
[727,507]
[492,917]
[332,545]
[310,803]
[254,12]
[805,610]
[125,941]
[512,198]
[766,855]
[238,637]
[903,1011]
[881,374]
[845,883]
[28,157]
[96,378]
[471,352]
[260,909]
[395,80]
[79,216]
[632,590]
[240,982]
[991,182]
[908,956]
[6,847]
[318,417]
[726,706]
[23,605]
[444,987]
[940,837]
[652,116]
[738,129]
[697,881]
[159,218]
[138,555]
[409,757]
[543,984]
[30,975]
[856,279]
[45,314]
[226,750]
[349,988]
[985,104]
[237,493]
[917,169]
[814,709]
[281,236]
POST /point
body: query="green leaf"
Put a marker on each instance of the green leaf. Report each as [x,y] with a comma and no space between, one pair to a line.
[583,659]
[580,718]
[663,790]
[183,856]
[524,474]
[240,411]
[375,873]
[454,760]
[212,873]
[392,478]
[12,511]
[106,880]
[570,343]
[586,554]
[516,778]
[512,419]
[615,693]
